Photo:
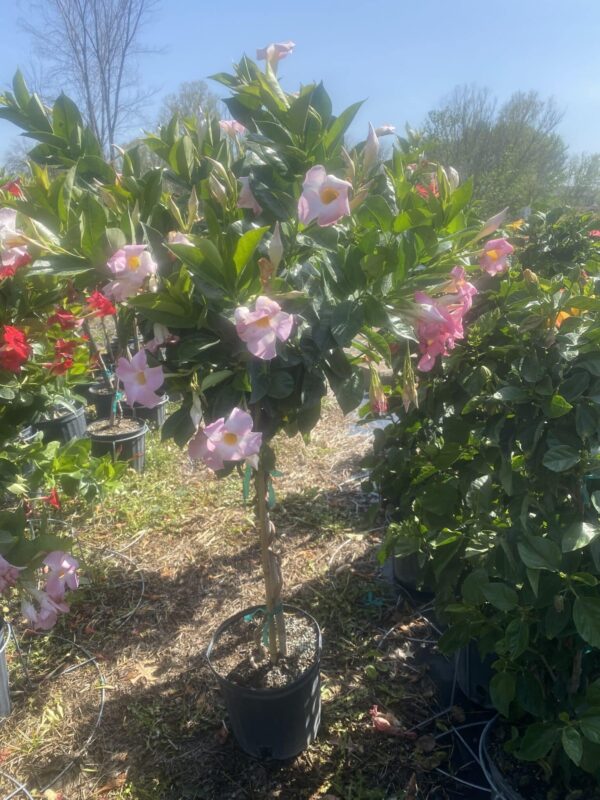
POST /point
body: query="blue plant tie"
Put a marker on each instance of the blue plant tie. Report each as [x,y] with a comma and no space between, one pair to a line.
[118,396]
[268,616]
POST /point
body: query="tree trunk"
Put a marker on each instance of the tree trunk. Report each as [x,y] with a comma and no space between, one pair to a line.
[271,571]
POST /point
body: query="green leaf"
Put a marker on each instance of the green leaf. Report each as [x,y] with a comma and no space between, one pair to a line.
[539,738]
[472,587]
[502,691]
[572,744]
[558,407]
[246,245]
[590,727]
[281,384]
[501,596]
[561,458]
[20,89]
[65,118]
[338,128]
[215,378]
[517,637]
[538,552]
[586,616]
[578,535]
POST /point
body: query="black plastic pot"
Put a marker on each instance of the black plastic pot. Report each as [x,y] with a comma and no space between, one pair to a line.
[473,675]
[501,788]
[276,723]
[129,446]
[69,426]
[405,572]
[101,400]
[155,416]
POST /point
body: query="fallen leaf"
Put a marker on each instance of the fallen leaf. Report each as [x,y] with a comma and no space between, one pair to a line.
[116,782]
[143,670]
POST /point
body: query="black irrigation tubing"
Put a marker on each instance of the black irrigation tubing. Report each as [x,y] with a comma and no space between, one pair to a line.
[21,788]
[90,659]
[453,730]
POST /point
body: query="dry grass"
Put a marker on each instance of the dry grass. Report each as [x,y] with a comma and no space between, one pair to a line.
[165,560]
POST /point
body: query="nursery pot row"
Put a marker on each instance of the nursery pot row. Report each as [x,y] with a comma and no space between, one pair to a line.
[64,428]
[273,723]
[127,445]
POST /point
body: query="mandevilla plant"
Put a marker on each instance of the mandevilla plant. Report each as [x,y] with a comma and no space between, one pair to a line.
[261,261]
[492,482]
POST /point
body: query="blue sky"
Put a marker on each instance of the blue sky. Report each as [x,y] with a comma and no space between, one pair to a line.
[402,57]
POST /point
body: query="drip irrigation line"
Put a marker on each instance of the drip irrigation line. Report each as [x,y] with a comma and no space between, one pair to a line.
[89,659]
[20,787]
[463,782]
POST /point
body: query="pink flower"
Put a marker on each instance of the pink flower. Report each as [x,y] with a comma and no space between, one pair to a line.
[458,284]
[232,127]
[492,224]
[140,380]
[371,150]
[227,440]
[246,198]
[595,234]
[130,265]
[439,325]
[262,327]
[62,574]
[176,237]
[324,198]
[385,130]
[46,614]
[162,336]
[12,252]
[8,574]
[274,53]
[494,255]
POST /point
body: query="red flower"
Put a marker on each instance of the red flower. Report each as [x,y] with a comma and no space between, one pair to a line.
[595,234]
[15,257]
[60,367]
[52,498]
[100,304]
[65,348]
[14,187]
[14,351]
[63,356]
[66,319]
[427,191]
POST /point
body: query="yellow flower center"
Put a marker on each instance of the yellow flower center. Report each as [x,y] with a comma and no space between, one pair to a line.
[230,438]
[133,262]
[493,254]
[328,195]
[140,378]
[263,322]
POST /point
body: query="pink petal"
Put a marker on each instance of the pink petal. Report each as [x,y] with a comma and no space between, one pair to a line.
[238,422]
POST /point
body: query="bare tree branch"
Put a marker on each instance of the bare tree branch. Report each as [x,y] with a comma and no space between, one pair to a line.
[90,48]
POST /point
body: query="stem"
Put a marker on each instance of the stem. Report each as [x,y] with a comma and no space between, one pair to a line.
[265,540]
[575,679]
[96,353]
[107,339]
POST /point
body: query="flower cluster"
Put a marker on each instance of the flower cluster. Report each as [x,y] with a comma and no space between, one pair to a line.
[440,320]
[100,305]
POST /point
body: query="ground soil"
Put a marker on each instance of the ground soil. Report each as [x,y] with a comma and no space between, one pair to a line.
[119,703]
[102,427]
[241,652]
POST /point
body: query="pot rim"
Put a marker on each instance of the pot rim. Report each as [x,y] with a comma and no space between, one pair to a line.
[66,417]
[271,690]
[485,760]
[118,437]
